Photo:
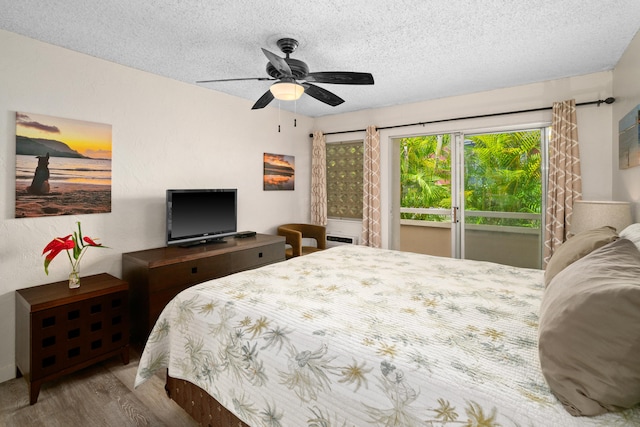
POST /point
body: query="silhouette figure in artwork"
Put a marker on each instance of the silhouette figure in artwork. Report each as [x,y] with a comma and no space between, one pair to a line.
[40,183]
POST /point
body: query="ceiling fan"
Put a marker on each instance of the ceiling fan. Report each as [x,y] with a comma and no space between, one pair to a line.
[294,79]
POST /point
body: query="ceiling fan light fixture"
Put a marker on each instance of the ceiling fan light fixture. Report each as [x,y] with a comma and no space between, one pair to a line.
[287,91]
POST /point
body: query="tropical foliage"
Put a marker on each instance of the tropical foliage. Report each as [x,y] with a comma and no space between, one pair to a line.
[502,174]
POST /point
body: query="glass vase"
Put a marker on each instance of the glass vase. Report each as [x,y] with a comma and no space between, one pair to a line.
[74,278]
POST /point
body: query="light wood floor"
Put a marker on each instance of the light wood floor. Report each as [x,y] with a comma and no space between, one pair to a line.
[101,395]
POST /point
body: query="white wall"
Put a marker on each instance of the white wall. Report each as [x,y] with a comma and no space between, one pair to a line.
[165,134]
[170,134]
[594,125]
[626,89]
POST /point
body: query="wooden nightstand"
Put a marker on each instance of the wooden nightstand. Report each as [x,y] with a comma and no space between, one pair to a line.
[61,330]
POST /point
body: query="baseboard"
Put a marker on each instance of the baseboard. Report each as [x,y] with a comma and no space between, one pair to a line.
[7,372]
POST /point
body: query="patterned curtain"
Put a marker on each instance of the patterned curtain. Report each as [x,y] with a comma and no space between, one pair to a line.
[565,182]
[371,226]
[319,180]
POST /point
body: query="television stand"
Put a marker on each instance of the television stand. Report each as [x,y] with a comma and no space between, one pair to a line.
[155,276]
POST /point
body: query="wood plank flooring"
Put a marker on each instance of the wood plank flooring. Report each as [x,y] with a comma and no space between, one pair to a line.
[101,395]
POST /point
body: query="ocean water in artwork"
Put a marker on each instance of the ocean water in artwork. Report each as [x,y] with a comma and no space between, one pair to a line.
[65,170]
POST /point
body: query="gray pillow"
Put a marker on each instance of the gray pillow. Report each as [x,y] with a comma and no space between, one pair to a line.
[576,247]
[589,335]
[632,232]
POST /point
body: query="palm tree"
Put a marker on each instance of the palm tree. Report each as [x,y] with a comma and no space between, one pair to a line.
[425,177]
[502,173]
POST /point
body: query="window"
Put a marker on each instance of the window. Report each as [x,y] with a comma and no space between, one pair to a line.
[344,179]
[474,195]
[425,176]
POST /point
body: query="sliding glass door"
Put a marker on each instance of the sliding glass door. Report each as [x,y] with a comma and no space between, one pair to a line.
[474,196]
[426,198]
[502,187]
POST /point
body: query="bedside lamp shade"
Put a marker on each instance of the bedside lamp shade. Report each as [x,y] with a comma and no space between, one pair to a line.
[588,215]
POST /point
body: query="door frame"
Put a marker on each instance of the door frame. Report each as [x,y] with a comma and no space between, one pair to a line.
[457,177]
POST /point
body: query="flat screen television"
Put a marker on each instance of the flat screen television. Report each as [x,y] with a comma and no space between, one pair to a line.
[201,216]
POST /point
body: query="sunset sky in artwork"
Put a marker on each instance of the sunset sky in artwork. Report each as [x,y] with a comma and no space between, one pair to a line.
[278,160]
[88,138]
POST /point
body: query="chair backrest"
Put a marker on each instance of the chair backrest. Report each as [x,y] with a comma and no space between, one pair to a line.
[294,233]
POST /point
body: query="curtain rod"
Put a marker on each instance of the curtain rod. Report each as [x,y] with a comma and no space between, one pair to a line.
[609,100]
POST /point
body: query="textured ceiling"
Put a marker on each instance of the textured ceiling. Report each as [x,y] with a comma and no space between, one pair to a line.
[416,50]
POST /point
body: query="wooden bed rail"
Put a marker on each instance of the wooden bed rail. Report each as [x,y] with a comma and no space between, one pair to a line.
[200,405]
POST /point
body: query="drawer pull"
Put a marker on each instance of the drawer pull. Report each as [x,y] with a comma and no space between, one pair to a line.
[260,255]
[194,270]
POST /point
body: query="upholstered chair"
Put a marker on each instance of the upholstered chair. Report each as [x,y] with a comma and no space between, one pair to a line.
[294,233]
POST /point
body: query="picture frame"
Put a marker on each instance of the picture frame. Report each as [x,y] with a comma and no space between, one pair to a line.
[63,166]
[278,172]
[629,139]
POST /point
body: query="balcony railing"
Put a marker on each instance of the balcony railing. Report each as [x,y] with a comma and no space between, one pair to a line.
[506,244]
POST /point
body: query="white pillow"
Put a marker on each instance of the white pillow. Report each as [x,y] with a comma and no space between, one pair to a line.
[632,232]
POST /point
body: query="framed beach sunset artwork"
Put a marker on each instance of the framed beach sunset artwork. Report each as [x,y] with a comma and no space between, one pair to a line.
[279,172]
[63,166]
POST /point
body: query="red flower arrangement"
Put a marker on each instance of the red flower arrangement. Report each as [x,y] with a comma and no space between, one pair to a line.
[73,242]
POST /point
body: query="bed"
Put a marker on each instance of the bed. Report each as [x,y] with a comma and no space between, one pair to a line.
[357,336]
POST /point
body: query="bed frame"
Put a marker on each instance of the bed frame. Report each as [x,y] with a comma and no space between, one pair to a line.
[200,405]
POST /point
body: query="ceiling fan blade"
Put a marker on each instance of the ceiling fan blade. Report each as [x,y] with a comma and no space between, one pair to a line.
[322,94]
[280,64]
[235,80]
[341,78]
[263,101]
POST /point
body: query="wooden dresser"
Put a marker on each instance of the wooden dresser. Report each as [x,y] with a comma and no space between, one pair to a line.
[155,276]
[60,330]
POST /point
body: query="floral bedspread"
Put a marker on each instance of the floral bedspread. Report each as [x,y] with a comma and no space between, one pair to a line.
[356,336]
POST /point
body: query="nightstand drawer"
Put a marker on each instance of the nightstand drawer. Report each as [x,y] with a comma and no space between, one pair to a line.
[60,330]
[71,334]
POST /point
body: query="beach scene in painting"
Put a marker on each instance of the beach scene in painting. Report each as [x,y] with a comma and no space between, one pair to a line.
[279,172]
[63,166]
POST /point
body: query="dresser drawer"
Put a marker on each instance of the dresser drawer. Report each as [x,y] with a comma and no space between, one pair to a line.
[184,274]
[157,275]
[158,301]
[256,257]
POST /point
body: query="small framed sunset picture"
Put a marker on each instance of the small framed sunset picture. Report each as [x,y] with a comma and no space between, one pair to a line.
[63,166]
[279,172]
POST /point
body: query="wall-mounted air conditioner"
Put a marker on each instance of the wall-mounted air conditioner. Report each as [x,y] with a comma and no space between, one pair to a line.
[334,239]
